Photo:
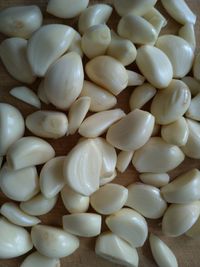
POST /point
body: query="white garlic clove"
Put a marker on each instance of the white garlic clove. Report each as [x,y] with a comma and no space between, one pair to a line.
[75,45]
[53,242]
[107,179]
[132,131]
[193,84]
[41,93]
[196,67]
[46,45]
[193,110]
[123,160]
[154,17]
[36,259]
[155,179]
[134,78]
[194,231]
[188,34]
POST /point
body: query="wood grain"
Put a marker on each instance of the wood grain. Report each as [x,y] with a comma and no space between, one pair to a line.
[186,249]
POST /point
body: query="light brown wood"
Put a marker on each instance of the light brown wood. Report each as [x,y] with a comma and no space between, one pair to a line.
[186,249]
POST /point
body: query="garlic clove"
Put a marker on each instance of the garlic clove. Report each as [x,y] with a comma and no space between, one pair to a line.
[196,67]
[36,259]
[193,84]
[123,160]
[154,17]
[107,179]
[155,179]
[193,110]
[134,78]
[75,45]
[41,93]
[194,231]
[188,34]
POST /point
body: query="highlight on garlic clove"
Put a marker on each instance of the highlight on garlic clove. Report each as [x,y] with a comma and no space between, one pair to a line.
[196,67]
[64,80]
[194,231]
[193,110]
[20,21]
[36,259]
[29,151]
[46,45]
[94,15]
[75,45]
[188,34]
[11,126]
[13,53]
[41,93]
[134,78]
[193,84]
[155,179]
[107,179]
[123,160]
[47,124]
[154,17]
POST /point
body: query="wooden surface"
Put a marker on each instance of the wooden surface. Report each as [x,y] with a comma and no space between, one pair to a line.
[186,249]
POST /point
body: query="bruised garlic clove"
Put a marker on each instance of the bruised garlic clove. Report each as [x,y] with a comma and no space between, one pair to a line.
[193,84]
[46,45]
[193,110]
[41,93]
[53,242]
[132,131]
[97,124]
[64,80]
[47,124]
[135,78]
[196,67]
[29,151]
[188,34]
[94,15]
[155,179]
[13,55]
[36,259]
[123,160]
[107,179]
[194,231]
[75,45]
[20,21]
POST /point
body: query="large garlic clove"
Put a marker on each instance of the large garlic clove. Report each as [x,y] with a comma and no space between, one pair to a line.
[188,34]
[193,84]
[157,156]
[129,225]
[94,15]
[15,240]
[162,253]
[196,67]
[107,72]
[179,218]
[47,124]
[75,45]
[41,93]
[179,52]
[107,179]
[194,231]
[19,185]
[155,179]
[98,123]
[193,110]
[132,131]
[53,242]
[51,177]
[20,21]
[29,151]
[64,80]
[36,259]
[82,167]
[46,45]
[123,160]
[111,247]
[134,78]
[11,126]
[109,198]
[171,103]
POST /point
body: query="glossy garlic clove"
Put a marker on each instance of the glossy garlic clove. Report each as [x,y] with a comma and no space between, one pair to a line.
[134,78]
[107,179]
[193,110]
[36,259]
[188,34]
[75,45]
[193,84]
[123,160]
[155,179]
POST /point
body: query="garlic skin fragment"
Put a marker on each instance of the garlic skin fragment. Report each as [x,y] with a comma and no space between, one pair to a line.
[193,110]
[20,21]
[155,179]
[64,80]
[193,84]
[41,93]
[36,259]
[194,231]
[75,45]
[196,67]
[15,240]
[162,254]
[53,242]
[46,45]
[123,160]
[188,34]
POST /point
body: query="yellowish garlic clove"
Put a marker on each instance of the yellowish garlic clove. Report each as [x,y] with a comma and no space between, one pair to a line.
[193,110]
[134,78]
[188,34]
[196,67]
[36,259]
[155,179]
[107,179]
[123,160]
[75,45]
[154,17]
[41,93]
[193,84]
[194,231]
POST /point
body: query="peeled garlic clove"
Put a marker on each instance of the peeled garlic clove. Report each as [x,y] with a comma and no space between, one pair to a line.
[47,124]
[19,185]
[53,242]
[100,99]
[75,45]
[171,103]
[38,205]
[107,72]
[155,179]
[98,123]
[111,247]
[66,9]
[180,11]
[41,93]
[196,67]
[155,66]
[135,78]
[162,253]
[107,179]
[188,34]
[94,15]
[154,17]
[36,259]
[63,87]
[179,218]
[26,95]
[193,84]
[13,213]
[29,151]
[129,225]
[109,198]
[141,95]
[147,200]
[77,113]
[193,110]
[11,126]
[137,127]
[194,231]
[176,133]
[123,160]
[15,240]
[157,156]
[46,45]
[20,21]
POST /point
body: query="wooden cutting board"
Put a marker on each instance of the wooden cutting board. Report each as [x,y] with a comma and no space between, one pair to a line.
[186,249]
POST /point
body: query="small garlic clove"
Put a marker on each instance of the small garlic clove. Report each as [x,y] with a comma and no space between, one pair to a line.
[196,67]
[155,66]
[107,179]
[154,17]
[29,151]
[193,84]
[132,131]
[94,15]
[194,231]
[157,156]
[134,78]
[47,124]
[20,21]
[46,45]
[109,198]
[193,110]
[155,179]
[188,34]
[123,160]
[15,240]
[36,259]
[75,45]
[53,242]
[63,87]
[41,93]
[129,225]
[98,123]
[15,215]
